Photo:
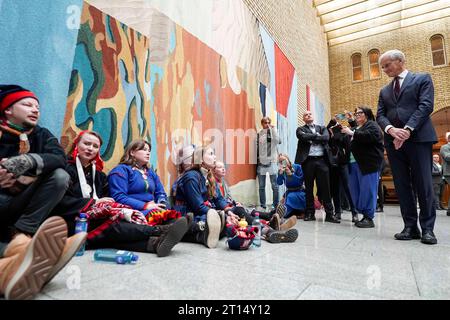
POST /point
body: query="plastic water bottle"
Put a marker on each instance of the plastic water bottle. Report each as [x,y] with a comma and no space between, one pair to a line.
[81,226]
[257,223]
[115,256]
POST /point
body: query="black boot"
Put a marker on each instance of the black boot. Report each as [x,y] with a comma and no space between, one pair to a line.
[170,235]
[274,236]
[331,218]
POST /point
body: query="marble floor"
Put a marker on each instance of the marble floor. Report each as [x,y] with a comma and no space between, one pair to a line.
[328,261]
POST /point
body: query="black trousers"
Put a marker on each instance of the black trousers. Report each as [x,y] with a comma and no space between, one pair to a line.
[27,210]
[338,183]
[316,169]
[123,235]
[411,169]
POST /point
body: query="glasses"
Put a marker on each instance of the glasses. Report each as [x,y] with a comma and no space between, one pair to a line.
[358,113]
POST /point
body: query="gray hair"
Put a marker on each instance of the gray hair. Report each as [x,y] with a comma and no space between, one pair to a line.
[393,55]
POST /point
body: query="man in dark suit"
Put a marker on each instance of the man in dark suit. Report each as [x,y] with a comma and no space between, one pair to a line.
[312,154]
[404,109]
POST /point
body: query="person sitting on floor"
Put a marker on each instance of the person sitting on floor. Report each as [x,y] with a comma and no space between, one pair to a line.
[275,221]
[111,224]
[32,182]
[291,175]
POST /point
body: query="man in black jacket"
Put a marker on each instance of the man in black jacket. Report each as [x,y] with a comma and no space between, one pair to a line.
[339,180]
[313,155]
[32,182]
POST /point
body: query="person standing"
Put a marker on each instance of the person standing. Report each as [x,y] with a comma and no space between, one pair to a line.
[445,155]
[404,109]
[267,156]
[438,180]
[366,158]
[312,155]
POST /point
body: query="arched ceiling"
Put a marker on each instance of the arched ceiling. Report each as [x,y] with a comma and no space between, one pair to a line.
[347,20]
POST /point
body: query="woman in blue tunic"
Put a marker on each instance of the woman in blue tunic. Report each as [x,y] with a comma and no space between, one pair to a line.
[133,183]
[292,176]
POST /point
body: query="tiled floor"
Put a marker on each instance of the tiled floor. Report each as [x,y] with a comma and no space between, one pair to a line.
[328,261]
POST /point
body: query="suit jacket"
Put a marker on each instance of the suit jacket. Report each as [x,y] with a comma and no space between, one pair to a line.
[305,140]
[412,108]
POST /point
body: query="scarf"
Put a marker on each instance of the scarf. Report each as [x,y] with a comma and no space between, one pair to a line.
[85,187]
[24,144]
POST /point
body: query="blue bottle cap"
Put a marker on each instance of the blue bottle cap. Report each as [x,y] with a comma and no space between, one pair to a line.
[134,258]
[120,260]
[83,215]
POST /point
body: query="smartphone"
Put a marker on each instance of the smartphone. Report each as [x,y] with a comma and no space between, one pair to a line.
[284,163]
[340,116]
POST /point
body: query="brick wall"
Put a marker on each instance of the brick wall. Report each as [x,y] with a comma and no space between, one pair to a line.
[414,41]
[296,29]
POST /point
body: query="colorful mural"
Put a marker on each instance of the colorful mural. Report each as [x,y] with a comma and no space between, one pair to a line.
[126,86]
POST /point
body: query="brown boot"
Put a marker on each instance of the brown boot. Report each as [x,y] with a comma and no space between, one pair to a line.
[71,247]
[23,274]
[288,223]
[170,236]
[275,222]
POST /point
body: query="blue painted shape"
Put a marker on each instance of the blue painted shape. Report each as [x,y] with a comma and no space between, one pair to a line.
[41,58]
[102,123]
[82,66]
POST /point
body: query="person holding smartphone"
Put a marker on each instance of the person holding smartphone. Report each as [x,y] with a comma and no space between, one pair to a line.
[292,176]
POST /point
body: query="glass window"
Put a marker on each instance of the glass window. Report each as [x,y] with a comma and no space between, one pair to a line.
[374,67]
[437,50]
[356,66]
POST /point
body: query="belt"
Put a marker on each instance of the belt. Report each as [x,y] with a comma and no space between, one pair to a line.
[315,157]
[295,189]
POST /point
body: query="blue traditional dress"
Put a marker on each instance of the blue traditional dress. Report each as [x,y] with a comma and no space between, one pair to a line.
[295,193]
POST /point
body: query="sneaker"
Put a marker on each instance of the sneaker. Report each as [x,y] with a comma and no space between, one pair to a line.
[34,263]
[288,223]
[212,230]
[73,244]
[282,236]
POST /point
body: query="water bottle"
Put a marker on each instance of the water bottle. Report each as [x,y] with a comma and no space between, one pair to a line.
[115,256]
[81,226]
[257,223]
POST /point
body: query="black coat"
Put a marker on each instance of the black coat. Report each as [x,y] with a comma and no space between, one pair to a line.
[306,138]
[339,145]
[73,202]
[42,143]
[367,147]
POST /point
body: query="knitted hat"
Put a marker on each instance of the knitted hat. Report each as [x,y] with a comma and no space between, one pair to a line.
[10,94]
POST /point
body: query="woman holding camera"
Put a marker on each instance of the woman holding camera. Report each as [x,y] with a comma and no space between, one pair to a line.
[292,176]
[365,164]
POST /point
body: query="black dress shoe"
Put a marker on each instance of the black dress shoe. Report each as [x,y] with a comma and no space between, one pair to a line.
[332,219]
[448,213]
[338,215]
[355,218]
[408,234]
[379,209]
[365,223]
[428,237]
[309,217]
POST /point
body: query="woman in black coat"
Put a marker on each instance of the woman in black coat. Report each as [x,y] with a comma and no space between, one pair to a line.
[365,164]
